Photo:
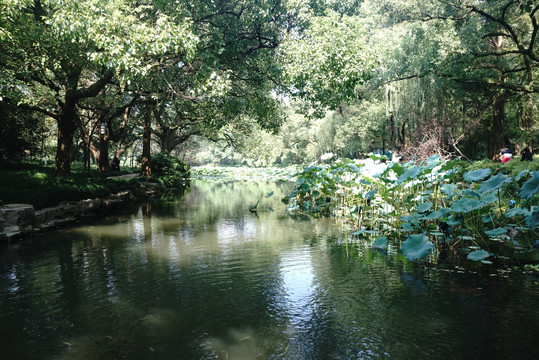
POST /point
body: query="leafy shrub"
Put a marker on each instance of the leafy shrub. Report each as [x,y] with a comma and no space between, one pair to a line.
[163,164]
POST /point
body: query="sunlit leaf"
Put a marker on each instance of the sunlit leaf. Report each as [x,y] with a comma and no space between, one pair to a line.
[478,255]
[476,175]
[530,187]
[411,173]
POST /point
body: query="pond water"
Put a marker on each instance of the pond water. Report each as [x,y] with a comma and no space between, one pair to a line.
[202,277]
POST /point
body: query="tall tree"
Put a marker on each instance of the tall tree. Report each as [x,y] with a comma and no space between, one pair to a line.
[56,54]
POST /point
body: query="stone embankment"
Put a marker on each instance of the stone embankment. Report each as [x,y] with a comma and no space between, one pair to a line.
[17,220]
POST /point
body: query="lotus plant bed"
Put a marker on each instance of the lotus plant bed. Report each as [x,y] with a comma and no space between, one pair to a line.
[434,210]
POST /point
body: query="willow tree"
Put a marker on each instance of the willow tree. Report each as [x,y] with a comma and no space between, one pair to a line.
[56,54]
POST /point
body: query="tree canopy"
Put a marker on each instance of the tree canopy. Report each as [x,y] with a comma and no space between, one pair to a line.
[452,77]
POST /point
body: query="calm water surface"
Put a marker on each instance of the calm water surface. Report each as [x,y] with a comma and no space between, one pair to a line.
[205,278]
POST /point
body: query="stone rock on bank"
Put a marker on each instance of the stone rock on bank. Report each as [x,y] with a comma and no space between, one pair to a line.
[20,219]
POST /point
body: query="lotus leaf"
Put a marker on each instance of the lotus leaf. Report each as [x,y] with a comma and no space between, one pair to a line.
[532,218]
[530,187]
[466,205]
[434,159]
[437,233]
[521,174]
[478,255]
[397,168]
[407,227]
[494,182]
[411,173]
[421,208]
[470,193]
[434,215]
[496,232]
[416,247]
[477,175]
[370,194]
[454,220]
[448,189]
[360,231]
[489,199]
[511,213]
[380,243]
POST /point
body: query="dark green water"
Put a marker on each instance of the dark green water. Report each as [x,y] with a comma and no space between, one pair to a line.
[204,278]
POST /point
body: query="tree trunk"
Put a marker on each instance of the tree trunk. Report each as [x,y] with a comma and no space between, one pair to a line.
[497,132]
[146,169]
[103,160]
[66,130]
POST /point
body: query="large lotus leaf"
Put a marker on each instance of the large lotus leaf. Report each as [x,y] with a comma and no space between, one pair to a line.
[380,243]
[496,232]
[511,213]
[421,208]
[448,189]
[489,199]
[370,194]
[416,247]
[408,227]
[478,255]
[433,160]
[411,173]
[477,175]
[440,213]
[470,193]
[397,168]
[532,219]
[494,182]
[466,205]
[454,220]
[530,187]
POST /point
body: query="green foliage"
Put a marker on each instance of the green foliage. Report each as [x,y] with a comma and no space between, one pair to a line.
[163,164]
[396,199]
[44,189]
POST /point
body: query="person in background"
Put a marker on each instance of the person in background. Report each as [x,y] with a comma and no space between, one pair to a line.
[115,164]
[527,155]
[507,154]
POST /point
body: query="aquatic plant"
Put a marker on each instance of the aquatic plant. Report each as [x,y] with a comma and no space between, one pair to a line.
[427,203]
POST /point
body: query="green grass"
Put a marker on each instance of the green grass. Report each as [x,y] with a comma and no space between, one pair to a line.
[512,167]
[36,184]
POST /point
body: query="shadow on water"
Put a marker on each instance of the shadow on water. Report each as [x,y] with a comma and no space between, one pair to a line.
[203,277]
